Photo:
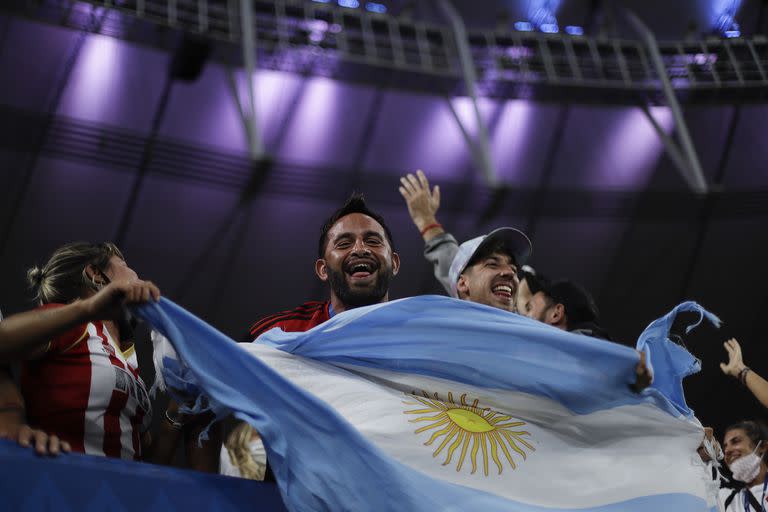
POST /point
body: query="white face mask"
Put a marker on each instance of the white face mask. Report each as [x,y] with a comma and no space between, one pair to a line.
[258,452]
[746,468]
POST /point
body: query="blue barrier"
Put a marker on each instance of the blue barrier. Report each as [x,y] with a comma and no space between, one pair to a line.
[76,482]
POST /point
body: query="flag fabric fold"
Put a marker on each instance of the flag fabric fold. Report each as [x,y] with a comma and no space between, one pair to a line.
[432,403]
[669,362]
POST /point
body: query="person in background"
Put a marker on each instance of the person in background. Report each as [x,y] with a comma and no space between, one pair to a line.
[497,255]
[243,454]
[745,445]
[356,258]
[566,305]
[79,372]
[453,262]
[484,269]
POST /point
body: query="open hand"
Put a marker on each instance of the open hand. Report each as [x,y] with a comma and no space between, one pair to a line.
[422,203]
[643,375]
[735,362]
[43,443]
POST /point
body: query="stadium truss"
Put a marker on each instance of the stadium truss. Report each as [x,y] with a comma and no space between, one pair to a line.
[354,45]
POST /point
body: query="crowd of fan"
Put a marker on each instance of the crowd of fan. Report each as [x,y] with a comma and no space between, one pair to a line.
[78,387]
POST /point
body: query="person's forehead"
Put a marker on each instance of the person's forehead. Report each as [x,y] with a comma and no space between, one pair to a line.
[500,255]
[355,223]
[735,435]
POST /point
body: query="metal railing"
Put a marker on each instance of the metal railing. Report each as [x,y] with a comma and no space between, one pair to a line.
[324,38]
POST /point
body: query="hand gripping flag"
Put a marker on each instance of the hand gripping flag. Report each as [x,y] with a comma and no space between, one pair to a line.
[431,403]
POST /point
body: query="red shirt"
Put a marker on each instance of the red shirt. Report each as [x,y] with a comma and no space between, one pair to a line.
[300,319]
[87,391]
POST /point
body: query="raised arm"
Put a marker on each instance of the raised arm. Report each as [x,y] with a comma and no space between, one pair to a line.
[422,204]
[26,335]
[738,370]
[440,247]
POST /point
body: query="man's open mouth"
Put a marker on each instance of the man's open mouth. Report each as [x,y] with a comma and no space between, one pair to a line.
[503,290]
[361,269]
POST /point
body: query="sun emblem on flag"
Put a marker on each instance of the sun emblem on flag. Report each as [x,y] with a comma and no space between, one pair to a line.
[471,428]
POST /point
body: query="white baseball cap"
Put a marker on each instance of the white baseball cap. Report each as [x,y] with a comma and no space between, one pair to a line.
[514,240]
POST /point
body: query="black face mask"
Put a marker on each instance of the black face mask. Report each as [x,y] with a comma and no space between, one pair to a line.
[355,299]
[127,323]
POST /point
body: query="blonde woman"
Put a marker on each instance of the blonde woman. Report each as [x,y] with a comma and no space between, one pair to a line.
[243,454]
[79,372]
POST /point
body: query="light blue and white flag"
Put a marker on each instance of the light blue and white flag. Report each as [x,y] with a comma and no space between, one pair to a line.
[431,403]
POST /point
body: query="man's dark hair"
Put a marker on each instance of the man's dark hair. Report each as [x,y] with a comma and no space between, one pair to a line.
[537,282]
[355,204]
[756,430]
[576,300]
[488,250]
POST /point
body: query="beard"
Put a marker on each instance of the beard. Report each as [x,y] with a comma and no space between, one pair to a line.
[360,297]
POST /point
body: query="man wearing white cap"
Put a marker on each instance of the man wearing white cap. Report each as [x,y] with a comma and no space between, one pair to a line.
[483,269]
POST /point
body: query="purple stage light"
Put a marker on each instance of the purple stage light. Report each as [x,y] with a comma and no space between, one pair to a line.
[98,74]
[629,155]
[442,143]
[724,17]
[511,138]
[314,121]
[349,4]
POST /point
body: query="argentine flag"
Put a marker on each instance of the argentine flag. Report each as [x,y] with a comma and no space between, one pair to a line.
[431,404]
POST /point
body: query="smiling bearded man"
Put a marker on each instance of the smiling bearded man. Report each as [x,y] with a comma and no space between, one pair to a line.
[355,257]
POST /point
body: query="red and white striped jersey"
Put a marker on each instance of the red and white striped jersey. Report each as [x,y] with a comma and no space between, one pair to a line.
[88,392]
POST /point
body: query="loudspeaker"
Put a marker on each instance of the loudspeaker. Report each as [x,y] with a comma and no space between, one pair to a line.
[189,59]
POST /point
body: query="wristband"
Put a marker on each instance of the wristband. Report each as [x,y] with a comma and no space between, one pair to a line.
[743,375]
[175,425]
[431,226]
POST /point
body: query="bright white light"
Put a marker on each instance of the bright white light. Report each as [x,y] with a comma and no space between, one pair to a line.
[349,4]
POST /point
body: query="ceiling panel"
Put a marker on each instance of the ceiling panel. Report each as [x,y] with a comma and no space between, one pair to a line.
[328,124]
[708,127]
[748,158]
[65,202]
[609,148]
[521,139]
[216,119]
[577,249]
[115,83]
[32,59]
[194,218]
[420,132]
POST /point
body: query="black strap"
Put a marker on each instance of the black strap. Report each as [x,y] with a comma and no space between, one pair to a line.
[752,500]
